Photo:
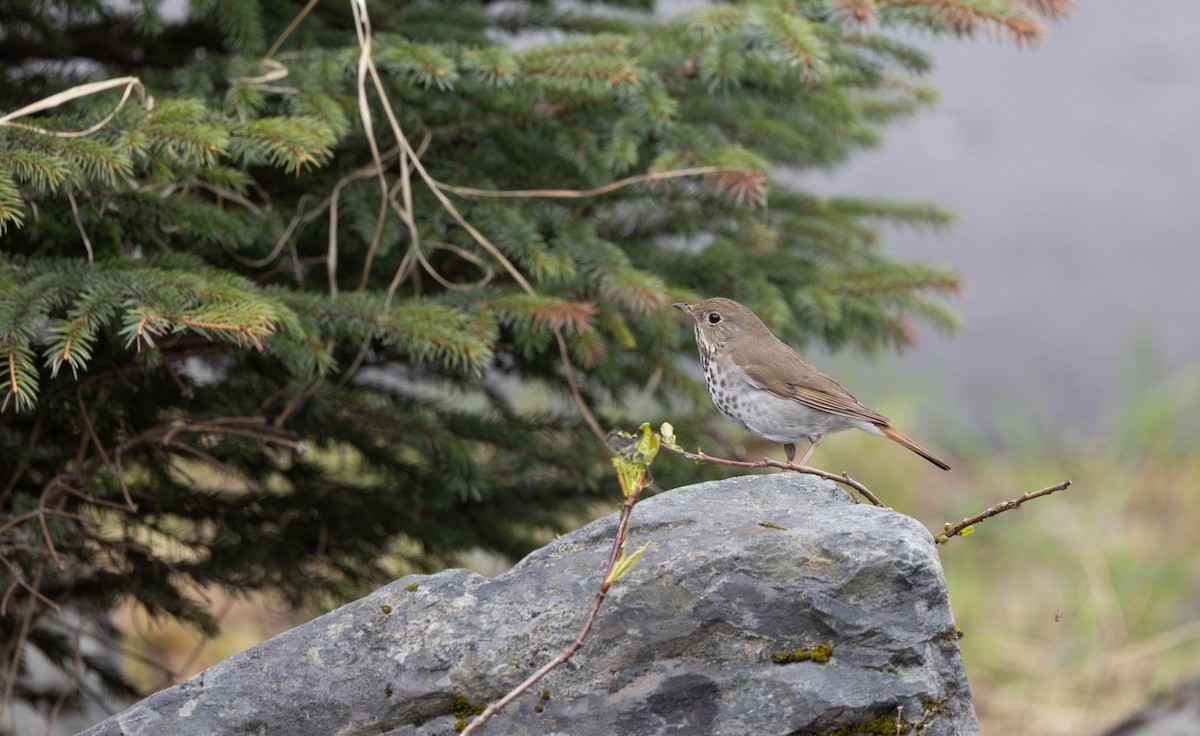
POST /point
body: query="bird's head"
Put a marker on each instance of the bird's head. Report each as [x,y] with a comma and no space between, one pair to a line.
[721,321]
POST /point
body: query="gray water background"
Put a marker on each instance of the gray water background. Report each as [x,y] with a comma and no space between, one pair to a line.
[1074,171]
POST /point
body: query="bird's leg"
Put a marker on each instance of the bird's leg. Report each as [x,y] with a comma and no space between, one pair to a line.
[814,440]
[790,450]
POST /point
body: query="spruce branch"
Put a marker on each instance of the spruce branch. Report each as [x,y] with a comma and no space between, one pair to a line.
[289,143]
[19,380]
[87,530]
[87,160]
[965,17]
[47,170]
[242,22]
[531,313]
[11,203]
[1053,9]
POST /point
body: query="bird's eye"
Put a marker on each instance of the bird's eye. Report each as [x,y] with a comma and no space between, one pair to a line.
[714,318]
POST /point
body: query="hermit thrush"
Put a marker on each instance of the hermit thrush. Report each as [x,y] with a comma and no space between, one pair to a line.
[765,387]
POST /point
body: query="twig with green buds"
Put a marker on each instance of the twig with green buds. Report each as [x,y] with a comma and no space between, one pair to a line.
[632,456]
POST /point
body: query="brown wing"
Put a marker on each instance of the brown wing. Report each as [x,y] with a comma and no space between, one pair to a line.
[789,376]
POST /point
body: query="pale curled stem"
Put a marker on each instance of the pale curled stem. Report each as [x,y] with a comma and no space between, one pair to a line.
[570,650]
[652,177]
[131,84]
[843,478]
[957,529]
[409,156]
[87,242]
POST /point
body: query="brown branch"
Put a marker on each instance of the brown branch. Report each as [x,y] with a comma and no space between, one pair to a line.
[177,350]
[296,402]
[90,426]
[570,650]
[73,677]
[46,534]
[164,434]
[569,371]
[89,498]
[957,529]
[185,390]
[653,177]
[19,581]
[11,657]
[120,473]
[767,462]
[35,436]
[40,514]
[951,530]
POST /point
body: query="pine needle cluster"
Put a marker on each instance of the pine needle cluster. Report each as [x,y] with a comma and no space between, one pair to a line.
[292,294]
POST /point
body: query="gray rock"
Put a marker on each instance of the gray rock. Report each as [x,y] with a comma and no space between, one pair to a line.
[1176,713]
[683,645]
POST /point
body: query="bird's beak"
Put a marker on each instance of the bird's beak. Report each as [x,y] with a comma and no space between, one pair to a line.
[685,308]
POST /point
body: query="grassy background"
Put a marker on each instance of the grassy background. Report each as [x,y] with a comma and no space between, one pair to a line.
[1076,609]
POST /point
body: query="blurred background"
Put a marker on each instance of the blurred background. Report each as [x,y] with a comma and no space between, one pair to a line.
[1074,172]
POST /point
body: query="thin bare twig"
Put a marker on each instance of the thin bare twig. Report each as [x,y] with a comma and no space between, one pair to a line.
[41,516]
[957,529]
[87,242]
[283,240]
[654,177]
[767,462]
[296,401]
[90,427]
[951,530]
[570,650]
[74,676]
[291,27]
[19,519]
[569,371]
[12,649]
[89,498]
[19,581]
